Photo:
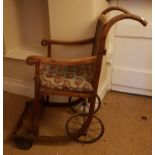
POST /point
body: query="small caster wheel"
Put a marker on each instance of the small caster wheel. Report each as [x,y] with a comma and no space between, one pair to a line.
[84,105]
[93,133]
[23,143]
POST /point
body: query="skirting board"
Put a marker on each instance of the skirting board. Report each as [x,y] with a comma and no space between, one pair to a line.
[24,88]
[18,87]
[131,90]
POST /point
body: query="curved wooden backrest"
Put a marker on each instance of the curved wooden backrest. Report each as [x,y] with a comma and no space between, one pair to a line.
[102,20]
[102,29]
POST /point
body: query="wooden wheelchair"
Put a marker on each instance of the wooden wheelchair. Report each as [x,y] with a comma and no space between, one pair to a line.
[76,78]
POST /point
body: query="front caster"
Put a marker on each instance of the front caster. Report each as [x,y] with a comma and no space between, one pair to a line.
[23,143]
[93,133]
[84,104]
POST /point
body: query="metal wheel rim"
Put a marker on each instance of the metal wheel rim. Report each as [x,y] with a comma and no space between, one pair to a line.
[85,137]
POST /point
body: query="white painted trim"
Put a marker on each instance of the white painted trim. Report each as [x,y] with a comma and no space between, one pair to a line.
[103,90]
[143,78]
[21,87]
[18,87]
[22,52]
[131,90]
[106,86]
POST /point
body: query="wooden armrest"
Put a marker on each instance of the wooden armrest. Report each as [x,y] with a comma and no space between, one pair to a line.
[31,60]
[112,8]
[67,43]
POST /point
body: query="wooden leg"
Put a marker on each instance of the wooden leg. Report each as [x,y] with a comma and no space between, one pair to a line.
[36,104]
[36,115]
[90,114]
[35,128]
[23,134]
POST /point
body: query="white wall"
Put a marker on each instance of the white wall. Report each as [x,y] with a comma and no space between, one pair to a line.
[132,63]
[11,25]
[68,20]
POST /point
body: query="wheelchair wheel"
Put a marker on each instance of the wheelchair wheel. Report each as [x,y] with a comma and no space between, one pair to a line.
[93,133]
[84,105]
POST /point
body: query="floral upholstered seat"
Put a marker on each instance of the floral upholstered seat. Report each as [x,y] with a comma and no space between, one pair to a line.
[72,78]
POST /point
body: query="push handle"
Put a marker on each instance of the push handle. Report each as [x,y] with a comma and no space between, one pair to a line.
[114,20]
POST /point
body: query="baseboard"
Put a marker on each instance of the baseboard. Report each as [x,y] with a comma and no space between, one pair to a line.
[18,87]
[131,90]
[25,88]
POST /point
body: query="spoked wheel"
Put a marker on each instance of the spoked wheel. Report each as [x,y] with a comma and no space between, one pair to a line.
[23,143]
[84,104]
[93,133]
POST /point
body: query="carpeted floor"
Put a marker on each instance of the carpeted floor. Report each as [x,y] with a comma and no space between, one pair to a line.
[127,119]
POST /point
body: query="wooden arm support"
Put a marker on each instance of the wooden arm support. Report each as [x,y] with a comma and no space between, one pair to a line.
[31,60]
[67,43]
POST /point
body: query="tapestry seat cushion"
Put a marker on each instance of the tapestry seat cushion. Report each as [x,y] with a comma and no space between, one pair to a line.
[73,78]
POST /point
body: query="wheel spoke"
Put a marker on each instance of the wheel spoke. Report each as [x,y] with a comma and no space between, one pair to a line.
[94,131]
[94,122]
[90,137]
[75,122]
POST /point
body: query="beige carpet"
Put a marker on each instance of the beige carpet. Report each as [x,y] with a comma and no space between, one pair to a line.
[127,120]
